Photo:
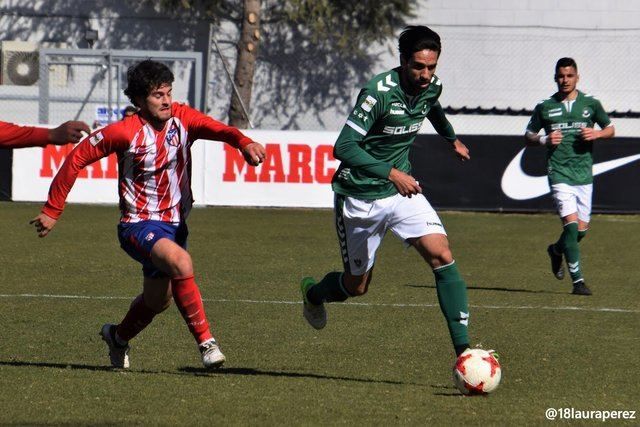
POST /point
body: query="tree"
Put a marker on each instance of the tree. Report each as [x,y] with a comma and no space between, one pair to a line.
[245,63]
[308,48]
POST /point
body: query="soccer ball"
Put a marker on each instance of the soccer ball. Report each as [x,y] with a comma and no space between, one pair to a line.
[477,371]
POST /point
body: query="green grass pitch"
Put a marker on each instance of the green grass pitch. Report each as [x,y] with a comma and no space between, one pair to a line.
[384,358]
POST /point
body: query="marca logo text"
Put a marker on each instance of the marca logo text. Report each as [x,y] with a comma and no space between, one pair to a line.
[290,163]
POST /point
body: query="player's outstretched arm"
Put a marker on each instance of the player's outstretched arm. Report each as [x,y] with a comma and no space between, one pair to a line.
[44,224]
[71,131]
[254,153]
[442,125]
[201,126]
[99,144]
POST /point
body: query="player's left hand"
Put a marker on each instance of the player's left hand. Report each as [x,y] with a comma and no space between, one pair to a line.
[254,153]
[43,223]
[68,132]
[461,150]
[589,134]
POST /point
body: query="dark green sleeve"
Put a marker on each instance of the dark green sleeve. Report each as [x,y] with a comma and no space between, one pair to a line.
[440,123]
[535,123]
[348,148]
[349,152]
[600,116]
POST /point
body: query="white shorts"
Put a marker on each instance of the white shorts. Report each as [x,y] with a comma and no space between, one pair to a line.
[570,199]
[361,225]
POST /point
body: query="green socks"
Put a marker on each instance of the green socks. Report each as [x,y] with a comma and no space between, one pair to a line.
[452,296]
[568,245]
[329,289]
[581,234]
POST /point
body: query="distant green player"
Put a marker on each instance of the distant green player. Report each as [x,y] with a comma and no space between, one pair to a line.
[376,192]
[568,118]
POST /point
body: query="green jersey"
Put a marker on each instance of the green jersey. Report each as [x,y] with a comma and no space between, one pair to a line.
[571,161]
[379,133]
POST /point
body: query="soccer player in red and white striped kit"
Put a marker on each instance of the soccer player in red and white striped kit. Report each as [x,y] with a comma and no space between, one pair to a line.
[154,168]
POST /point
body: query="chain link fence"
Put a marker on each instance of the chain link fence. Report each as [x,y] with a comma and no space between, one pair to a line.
[486,71]
[89,85]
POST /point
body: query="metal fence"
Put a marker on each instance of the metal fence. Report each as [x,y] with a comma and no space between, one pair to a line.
[485,70]
[88,85]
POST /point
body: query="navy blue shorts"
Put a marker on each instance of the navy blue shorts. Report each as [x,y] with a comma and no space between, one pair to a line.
[137,240]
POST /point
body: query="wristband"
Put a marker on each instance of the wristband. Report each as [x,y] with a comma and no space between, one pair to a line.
[543,139]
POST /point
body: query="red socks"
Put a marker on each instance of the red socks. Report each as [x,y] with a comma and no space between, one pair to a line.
[186,295]
[188,300]
[137,318]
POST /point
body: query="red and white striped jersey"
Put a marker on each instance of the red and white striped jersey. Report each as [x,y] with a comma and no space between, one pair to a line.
[154,167]
[14,136]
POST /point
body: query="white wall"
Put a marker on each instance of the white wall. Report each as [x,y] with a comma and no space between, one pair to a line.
[503,53]
[495,52]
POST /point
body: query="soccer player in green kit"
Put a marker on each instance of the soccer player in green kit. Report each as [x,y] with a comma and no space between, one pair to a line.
[374,189]
[568,118]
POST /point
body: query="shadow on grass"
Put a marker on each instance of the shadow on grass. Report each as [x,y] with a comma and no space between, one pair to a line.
[188,370]
[257,372]
[444,392]
[55,365]
[478,288]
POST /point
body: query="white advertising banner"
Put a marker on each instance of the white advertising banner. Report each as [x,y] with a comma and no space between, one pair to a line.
[34,169]
[297,172]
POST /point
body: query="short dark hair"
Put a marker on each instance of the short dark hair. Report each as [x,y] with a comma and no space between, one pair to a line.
[566,62]
[145,76]
[415,38]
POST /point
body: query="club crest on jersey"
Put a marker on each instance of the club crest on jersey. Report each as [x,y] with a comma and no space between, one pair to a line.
[173,137]
[368,103]
[586,113]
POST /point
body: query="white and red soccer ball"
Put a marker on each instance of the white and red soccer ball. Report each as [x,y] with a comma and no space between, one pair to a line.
[476,371]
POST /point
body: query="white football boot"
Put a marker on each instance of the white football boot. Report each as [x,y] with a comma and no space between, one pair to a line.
[118,354]
[212,357]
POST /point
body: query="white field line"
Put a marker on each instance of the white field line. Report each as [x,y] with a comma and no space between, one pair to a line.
[359,304]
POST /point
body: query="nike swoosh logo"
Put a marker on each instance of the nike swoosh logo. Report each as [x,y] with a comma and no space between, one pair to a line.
[517,185]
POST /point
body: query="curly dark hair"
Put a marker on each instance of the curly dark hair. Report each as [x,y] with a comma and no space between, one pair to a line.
[415,38]
[145,76]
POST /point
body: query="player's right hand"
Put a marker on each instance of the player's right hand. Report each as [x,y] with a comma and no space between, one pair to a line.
[68,132]
[254,153]
[555,137]
[43,223]
[406,185]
